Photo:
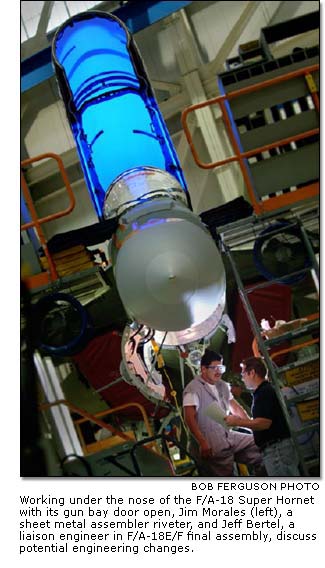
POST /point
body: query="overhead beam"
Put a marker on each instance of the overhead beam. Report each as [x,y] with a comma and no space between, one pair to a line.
[189,62]
[45,17]
[231,41]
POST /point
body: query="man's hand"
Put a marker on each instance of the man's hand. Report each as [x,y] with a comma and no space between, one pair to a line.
[251,423]
[205,450]
[232,420]
[237,409]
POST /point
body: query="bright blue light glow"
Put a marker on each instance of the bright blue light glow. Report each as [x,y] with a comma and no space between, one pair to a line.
[125,143]
[113,114]
[152,223]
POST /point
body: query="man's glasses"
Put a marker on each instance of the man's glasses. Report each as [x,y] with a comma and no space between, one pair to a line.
[220,368]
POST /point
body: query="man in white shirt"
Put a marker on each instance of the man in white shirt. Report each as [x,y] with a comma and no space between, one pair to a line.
[214,446]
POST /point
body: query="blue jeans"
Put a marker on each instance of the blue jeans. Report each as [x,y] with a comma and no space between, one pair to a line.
[281,460]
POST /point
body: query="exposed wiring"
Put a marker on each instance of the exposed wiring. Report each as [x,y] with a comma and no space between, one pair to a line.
[136,332]
[158,357]
[148,336]
[162,343]
[173,393]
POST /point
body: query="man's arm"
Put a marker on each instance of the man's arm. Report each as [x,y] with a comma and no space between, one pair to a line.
[252,423]
[238,410]
[191,421]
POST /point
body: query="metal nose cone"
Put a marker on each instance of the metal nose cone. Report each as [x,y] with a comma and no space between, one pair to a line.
[170,274]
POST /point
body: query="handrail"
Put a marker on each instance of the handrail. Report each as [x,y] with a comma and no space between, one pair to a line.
[259,207]
[295,347]
[36,221]
[309,317]
[63,172]
[95,418]
[122,407]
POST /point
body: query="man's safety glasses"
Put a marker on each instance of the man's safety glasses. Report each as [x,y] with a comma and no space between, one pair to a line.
[220,368]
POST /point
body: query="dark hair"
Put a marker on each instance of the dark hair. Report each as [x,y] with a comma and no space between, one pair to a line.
[210,356]
[255,364]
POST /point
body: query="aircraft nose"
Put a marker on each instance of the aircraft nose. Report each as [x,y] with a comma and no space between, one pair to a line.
[169,272]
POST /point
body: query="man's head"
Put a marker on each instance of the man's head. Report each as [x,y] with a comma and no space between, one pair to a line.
[253,372]
[212,367]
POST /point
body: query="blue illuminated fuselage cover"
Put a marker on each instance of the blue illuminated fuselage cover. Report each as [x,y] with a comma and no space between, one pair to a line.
[112,111]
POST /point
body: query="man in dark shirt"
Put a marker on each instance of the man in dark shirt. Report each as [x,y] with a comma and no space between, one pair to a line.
[271,432]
